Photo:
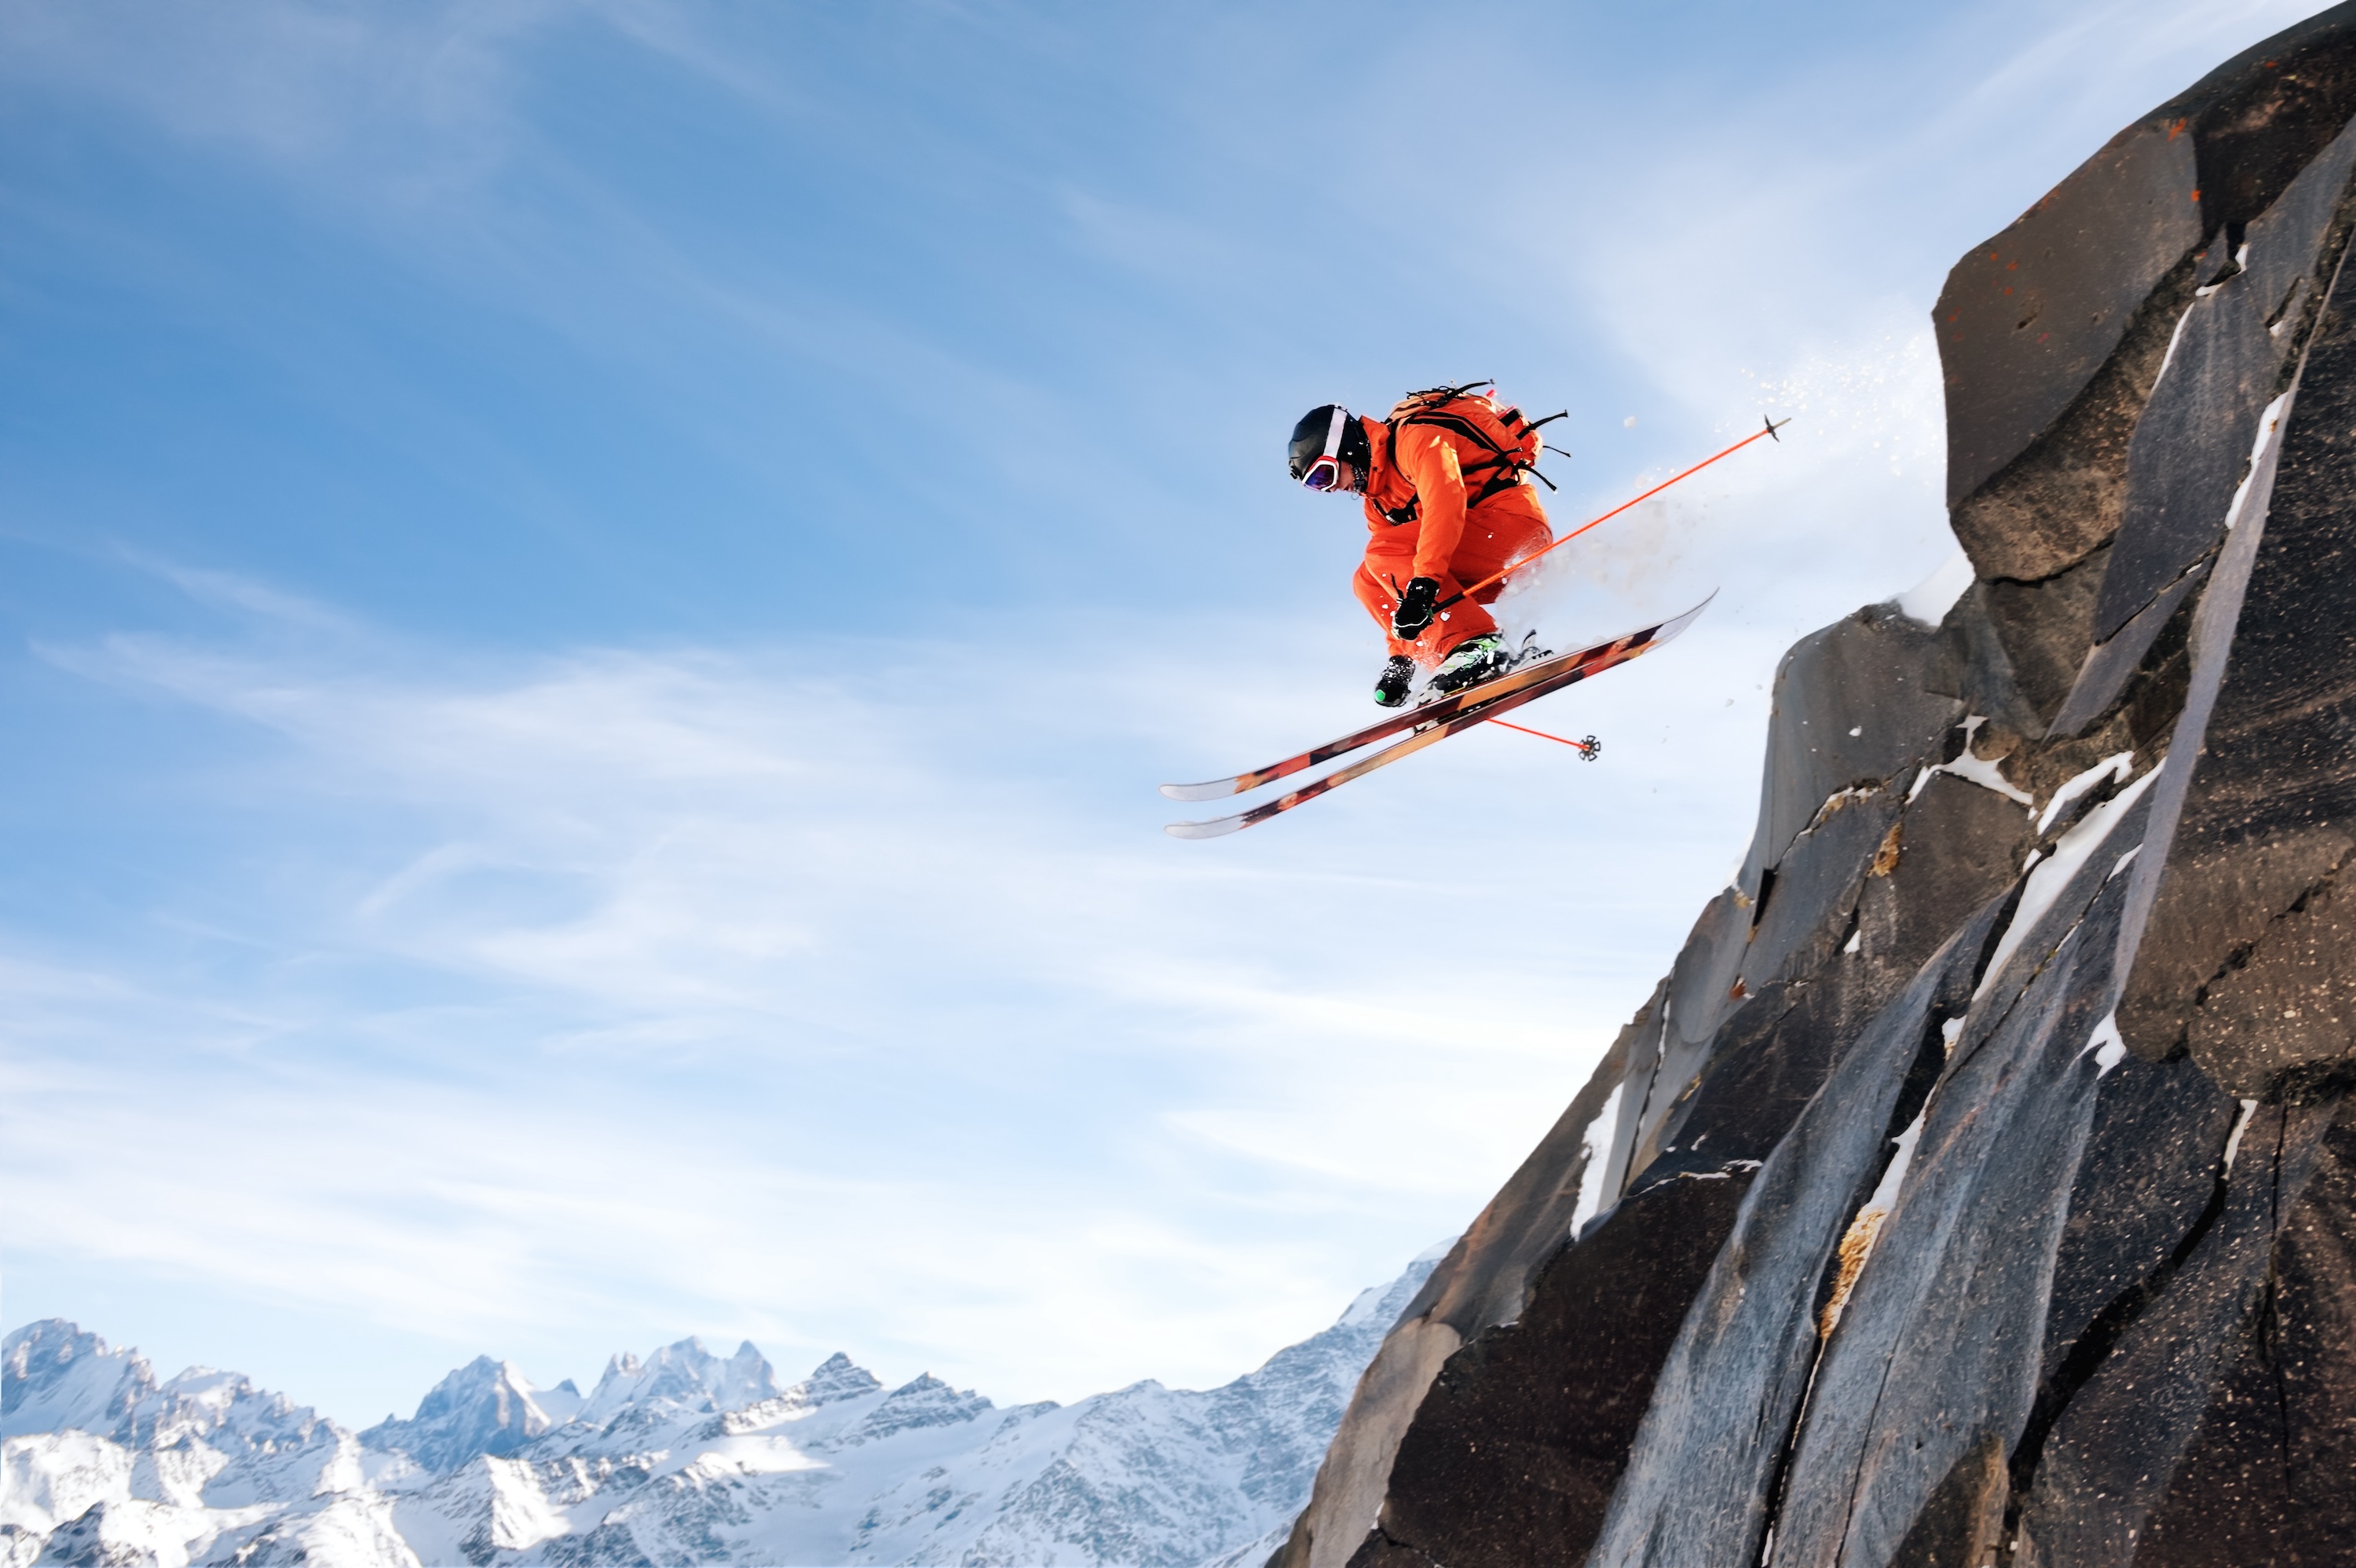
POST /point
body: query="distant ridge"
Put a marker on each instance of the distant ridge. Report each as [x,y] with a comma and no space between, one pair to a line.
[685,1457]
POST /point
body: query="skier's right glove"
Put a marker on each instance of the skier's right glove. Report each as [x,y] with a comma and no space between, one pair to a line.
[1414,611]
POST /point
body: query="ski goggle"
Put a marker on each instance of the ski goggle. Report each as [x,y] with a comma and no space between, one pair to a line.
[1325,473]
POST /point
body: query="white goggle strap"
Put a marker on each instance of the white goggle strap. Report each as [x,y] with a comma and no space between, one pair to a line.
[1334,430]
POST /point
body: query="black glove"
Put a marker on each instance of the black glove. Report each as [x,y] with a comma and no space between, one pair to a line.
[1414,611]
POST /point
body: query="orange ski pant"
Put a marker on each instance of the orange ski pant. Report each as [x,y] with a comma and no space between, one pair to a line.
[1508,528]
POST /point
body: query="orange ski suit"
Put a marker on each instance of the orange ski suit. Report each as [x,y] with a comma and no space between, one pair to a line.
[1442,538]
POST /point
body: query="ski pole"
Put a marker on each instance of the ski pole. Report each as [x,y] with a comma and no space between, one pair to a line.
[1463,594]
[1587,748]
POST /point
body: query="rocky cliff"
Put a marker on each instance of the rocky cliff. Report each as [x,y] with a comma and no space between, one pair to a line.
[1979,1187]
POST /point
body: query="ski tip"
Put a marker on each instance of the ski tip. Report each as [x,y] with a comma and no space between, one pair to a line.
[1671,628]
[1211,791]
[1690,616]
[1219,828]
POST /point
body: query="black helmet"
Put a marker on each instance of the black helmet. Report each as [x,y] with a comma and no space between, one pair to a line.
[1327,431]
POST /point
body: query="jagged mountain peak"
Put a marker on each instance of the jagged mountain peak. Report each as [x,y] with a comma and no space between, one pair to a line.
[484,1407]
[56,1338]
[836,1379]
[54,1374]
[58,1377]
[482,1373]
[684,1376]
[923,1400]
[221,1398]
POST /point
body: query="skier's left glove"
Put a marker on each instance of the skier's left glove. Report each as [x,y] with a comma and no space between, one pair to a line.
[1414,611]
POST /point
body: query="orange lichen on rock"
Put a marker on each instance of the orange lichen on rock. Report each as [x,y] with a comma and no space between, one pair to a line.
[1856,1246]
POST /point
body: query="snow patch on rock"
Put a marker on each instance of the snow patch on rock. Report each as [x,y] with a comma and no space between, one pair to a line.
[1601,1132]
[2117,769]
[1980,771]
[2051,875]
[1929,600]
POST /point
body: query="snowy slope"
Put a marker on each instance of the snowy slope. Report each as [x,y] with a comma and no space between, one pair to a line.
[683,1458]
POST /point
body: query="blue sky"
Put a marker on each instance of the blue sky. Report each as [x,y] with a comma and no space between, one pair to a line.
[592,597]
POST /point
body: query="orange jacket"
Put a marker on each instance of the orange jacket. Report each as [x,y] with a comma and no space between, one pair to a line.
[1426,475]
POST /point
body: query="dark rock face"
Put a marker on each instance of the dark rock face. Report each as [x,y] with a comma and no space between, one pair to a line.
[2265,1478]
[1524,1434]
[2050,349]
[1979,1186]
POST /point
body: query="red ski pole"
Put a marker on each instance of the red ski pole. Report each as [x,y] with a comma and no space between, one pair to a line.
[1463,594]
[1587,748]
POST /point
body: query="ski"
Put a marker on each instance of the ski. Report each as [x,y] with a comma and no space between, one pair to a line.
[1429,725]
[1431,712]
[1428,713]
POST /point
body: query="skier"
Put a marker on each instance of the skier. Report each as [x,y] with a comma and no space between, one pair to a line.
[1448,502]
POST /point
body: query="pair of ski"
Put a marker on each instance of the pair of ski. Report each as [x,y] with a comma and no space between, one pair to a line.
[1424,726]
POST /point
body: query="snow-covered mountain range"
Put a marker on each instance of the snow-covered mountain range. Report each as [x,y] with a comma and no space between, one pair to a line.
[684,1457]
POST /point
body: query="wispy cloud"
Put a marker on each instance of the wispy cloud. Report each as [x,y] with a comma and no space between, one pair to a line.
[550,978]
[418,98]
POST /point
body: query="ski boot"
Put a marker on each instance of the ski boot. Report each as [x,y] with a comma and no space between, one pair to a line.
[1476,659]
[1390,686]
